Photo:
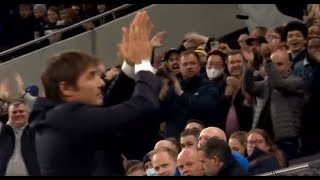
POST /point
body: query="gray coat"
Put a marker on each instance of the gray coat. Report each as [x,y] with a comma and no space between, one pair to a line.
[286,100]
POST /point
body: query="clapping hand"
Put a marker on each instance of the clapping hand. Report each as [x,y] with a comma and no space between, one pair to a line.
[158,39]
[135,45]
[20,84]
[5,90]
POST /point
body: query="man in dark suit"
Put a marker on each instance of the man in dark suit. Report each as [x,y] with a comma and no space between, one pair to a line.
[69,126]
[218,160]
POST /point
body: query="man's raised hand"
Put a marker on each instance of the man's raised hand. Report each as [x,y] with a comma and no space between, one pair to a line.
[135,44]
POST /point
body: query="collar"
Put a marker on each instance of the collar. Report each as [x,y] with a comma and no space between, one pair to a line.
[15,128]
[226,167]
[305,62]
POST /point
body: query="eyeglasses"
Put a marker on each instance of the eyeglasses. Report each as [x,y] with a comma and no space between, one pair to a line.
[259,141]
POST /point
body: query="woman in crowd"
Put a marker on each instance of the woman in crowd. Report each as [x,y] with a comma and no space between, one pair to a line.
[263,155]
[238,142]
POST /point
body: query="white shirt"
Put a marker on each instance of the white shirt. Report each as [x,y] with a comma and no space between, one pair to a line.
[16,165]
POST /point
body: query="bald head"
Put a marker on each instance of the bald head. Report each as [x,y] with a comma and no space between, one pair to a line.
[189,163]
[188,153]
[211,132]
[281,60]
[279,54]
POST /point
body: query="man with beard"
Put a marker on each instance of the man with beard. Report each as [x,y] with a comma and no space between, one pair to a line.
[191,97]
[172,60]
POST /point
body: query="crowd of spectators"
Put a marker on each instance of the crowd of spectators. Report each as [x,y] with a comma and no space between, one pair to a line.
[223,111]
[21,23]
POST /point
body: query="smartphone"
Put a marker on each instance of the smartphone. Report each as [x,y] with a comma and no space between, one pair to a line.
[214,44]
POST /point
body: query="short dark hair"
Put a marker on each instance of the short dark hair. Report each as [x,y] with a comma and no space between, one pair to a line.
[189,52]
[188,132]
[295,26]
[68,67]
[216,147]
[280,30]
[17,102]
[175,141]
[262,30]
[234,52]
[196,121]
[218,53]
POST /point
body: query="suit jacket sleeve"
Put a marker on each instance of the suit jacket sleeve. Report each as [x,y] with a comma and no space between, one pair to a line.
[120,90]
[91,121]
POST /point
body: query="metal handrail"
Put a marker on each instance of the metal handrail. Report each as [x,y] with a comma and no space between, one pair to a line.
[293,169]
[63,30]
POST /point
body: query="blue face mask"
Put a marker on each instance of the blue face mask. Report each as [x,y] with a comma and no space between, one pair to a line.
[151,172]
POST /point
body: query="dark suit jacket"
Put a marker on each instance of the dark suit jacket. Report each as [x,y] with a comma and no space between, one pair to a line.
[143,135]
[69,135]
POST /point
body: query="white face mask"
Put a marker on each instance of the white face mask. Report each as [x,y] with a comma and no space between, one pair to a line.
[214,73]
[151,172]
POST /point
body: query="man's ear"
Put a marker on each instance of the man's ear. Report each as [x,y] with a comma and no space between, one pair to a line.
[66,89]
[215,160]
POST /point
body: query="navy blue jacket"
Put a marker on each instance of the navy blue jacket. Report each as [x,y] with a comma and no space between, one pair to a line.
[142,135]
[69,137]
[199,101]
[7,146]
[262,162]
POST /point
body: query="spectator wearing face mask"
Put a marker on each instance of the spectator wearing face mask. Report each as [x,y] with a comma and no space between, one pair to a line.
[147,165]
[215,69]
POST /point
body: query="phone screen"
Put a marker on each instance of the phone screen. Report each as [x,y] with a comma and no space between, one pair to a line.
[215,44]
